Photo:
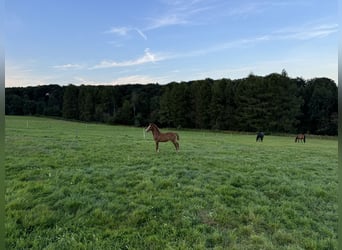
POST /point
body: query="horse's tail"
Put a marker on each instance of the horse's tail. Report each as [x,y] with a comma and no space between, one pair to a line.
[296,138]
[177,137]
[304,139]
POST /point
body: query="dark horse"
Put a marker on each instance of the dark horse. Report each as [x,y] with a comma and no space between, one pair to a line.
[260,136]
[163,137]
[300,137]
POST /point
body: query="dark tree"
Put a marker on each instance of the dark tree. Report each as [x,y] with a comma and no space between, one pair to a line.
[218,105]
[86,105]
[70,102]
[321,100]
[202,96]
[165,110]
[274,103]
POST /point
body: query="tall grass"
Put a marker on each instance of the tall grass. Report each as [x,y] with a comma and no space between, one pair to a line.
[86,186]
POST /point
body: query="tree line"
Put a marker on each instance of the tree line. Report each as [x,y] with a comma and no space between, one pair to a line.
[272,103]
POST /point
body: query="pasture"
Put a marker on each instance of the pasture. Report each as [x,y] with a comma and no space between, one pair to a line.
[73,185]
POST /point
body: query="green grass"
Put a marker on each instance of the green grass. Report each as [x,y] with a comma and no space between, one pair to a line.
[85,186]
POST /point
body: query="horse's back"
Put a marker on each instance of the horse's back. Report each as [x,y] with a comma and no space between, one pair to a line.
[173,135]
[169,136]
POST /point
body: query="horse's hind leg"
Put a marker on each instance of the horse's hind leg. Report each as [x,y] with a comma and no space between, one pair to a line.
[176,145]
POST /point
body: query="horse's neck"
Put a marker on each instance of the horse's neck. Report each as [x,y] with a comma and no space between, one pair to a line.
[155,132]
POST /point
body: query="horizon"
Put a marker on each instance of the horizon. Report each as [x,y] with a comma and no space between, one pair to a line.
[164,41]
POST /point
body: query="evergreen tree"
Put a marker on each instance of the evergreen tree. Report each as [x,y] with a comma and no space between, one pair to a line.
[202,98]
[322,106]
[285,105]
[230,116]
[165,111]
[70,102]
[251,105]
[125,113]
[86,105]
[218,105]
[179,104]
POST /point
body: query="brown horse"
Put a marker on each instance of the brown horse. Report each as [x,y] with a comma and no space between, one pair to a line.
[300,137]
[163,137]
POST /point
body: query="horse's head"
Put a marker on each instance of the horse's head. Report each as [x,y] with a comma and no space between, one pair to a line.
[149,128]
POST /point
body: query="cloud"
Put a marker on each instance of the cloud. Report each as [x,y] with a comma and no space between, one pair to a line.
[141,33]
[68,66]
[298,33]
[121,31]
[179,13]
[125,31]
[140,79]
[133,79]
[167,20]
[23,76]
[306,32]
[148,57]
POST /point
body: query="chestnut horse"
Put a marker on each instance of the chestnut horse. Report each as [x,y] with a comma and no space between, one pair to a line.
[163,137]
[300,137]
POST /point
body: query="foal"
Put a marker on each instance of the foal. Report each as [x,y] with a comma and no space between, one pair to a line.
[163,137]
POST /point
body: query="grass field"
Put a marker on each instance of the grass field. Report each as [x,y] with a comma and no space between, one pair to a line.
[85,186]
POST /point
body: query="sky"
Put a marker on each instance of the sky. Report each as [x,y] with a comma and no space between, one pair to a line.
[112,42]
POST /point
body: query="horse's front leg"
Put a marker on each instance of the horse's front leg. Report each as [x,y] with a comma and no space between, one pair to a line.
[157,146]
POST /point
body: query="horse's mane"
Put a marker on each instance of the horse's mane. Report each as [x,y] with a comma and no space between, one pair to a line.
[155,126]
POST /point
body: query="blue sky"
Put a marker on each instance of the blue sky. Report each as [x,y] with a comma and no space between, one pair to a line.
[114,42]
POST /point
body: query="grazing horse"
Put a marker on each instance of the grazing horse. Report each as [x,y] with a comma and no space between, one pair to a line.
[260,136]
[300,137]
[163,137]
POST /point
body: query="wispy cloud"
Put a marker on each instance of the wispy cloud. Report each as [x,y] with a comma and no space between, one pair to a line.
[131,79]
[17,75]
[141,79]
[121,31]
[148,57]
[141,33]
[187,12]
[306,32]
[298,33]
[239,43]
[167,20]
[68,66]
[125,31]
[245,9]
[178,13]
